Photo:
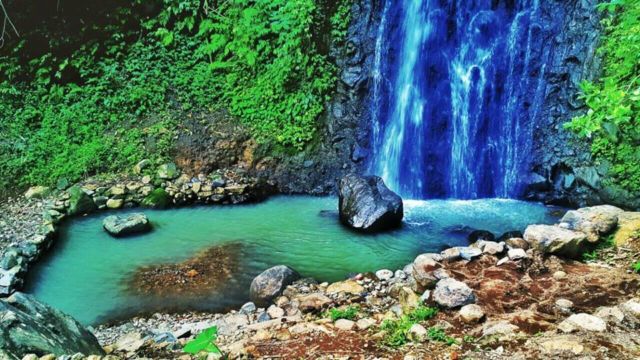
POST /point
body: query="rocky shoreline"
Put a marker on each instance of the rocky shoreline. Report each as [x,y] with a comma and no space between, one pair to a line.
[29,224]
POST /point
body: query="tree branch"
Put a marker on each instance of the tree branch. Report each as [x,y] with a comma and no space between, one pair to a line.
[6,22]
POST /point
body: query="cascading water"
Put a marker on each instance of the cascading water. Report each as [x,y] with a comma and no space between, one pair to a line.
[457,87]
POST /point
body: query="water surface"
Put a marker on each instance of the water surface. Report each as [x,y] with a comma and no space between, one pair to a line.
[86,273]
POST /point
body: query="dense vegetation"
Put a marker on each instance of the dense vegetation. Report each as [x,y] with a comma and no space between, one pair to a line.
[99,86]
[612,121]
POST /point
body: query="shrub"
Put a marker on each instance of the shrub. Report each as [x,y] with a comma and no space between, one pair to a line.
[348,313]
[205,342]
[611,123]
[397,330]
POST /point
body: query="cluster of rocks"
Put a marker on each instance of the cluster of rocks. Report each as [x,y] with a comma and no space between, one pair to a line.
[159,188]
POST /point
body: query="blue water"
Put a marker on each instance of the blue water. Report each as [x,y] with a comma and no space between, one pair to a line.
[87,273]
[457,88]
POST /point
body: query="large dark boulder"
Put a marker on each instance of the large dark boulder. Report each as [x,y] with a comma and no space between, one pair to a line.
[30,327]
[126,225]
[271,283]
[366,204]
[79,202]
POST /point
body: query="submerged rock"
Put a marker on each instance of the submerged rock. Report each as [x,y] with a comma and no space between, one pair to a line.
[126,225]
[204,273]
[30,327]
[366,204]
[270,284]
[556,240]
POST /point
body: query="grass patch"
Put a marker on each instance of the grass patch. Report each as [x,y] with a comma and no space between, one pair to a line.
[348,313]
[398,330]
[594,253]
[636,267]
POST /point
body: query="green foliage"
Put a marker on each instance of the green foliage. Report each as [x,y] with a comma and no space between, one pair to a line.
[397,330]
[594,253]
[205,342]
[112,102]
[437,334]
[348,313]
[340,20]
[614,102]
[636,267]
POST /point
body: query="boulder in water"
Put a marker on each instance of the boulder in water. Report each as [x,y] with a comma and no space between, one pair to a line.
[30,327]
[126,225]
[366,204]
[271,283]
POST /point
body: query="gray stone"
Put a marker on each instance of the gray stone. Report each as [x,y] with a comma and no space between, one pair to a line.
[271,283]
[37,192]
[366,204]
[139,167]
[275,312]
[596,221]
[28,326]
[517,254]
[583,322]
[384,274]
[424,268]
[114,203]
[79,202]
[417,333]
[469,253]
[499,328]
[248,308]
[126,225]
[450,293]
[344,324]
[130,342]
[556,240]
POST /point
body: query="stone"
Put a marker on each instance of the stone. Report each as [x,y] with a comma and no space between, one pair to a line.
[30,357]
[631,307]
[37,192]
[517,243]
[499,328]
[450,293]
[275,312]
[471,313]
[493,248]
[229,324]
[595,222]
[417,333]
[584,322]
[556,240]
[346,287]
[509,235]
[628,225]
[424,270]
[271,283]
[115,203]
[366,204]
[168,171]
[408,299]
[139,167]
[314,302]
[29,326]
[610,314]
[384,275]
[157,199]
[559,275]
[562,344]
[564,305]
[450,254]
[517,254]
[366,323]
[344,324]
[248,308]
[469,253]
[117,191]
[130,342]
[130,224]
[79,202]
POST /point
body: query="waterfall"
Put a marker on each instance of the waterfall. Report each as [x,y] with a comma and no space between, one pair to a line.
[457,88]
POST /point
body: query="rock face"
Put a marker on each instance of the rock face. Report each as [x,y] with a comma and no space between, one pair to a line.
[366,204]
[30,327]
[556,240]
[450,293]
[596,221]
[126,225]
[270,284]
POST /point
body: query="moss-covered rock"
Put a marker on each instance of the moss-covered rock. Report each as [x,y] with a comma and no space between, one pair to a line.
[157,199]
[79,202]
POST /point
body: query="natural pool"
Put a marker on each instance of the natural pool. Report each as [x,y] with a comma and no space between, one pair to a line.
[86,273]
